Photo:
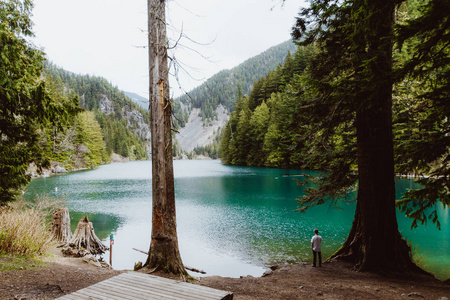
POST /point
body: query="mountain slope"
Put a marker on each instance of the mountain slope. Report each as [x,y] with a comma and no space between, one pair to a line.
[139,100]
[205,110]
[195,134]
[124,124]
[222,88]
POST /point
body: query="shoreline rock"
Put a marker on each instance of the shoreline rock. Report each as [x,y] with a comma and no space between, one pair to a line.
[58,170]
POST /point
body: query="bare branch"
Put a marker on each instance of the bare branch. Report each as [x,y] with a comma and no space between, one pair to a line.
[189,11]
[179,38]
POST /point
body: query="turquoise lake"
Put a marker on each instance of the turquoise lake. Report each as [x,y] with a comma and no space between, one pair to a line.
[232,221]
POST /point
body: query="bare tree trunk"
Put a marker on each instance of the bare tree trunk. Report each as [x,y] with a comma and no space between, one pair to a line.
[164,253]
[60,225]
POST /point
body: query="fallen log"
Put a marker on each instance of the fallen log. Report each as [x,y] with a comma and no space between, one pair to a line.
[194,270]
[186,267]
[140,251]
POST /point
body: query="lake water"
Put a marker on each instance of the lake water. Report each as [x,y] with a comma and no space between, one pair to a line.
[232,221]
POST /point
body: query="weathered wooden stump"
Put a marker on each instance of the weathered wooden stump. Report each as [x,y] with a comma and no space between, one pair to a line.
[84,240]
[60,225]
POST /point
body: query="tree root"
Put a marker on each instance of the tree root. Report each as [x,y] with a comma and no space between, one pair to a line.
[84,240]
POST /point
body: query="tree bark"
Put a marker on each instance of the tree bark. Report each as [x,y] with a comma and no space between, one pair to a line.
[164,253]
[60,225]
[84,240]
[374,242]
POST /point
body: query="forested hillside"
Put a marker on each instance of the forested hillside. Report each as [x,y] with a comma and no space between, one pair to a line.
[202,114]
[139,100]
[264,129]
[222,88]
[273,125]
[109,124]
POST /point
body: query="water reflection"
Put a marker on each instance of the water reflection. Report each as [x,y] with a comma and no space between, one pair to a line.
[103,224]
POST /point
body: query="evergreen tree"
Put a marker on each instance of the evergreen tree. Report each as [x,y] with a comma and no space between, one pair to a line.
[57,138]
[259,123]
[351,82]
[222,87]
[274,137]
[224,148]
[242,141]
[423,125]
[25,104]
[117,115]
[89,137]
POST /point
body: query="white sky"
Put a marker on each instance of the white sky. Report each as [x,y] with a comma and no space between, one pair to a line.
[102,37]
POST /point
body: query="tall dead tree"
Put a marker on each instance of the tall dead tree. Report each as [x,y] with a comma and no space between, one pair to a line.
[164,253]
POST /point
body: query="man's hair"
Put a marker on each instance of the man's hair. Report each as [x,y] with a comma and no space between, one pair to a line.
[316,231]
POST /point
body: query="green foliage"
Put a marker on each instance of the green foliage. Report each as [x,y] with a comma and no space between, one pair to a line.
[74,141]
[222,88]
[119,117]
[422,108]
[303,114]
[25,103]
[120,139]
[259,124]
[264,128]
[89,140]
[211,150]
[57,137]
[181,115]
[421,73]
[10,262]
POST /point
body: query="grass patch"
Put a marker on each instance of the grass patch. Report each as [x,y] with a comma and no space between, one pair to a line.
[22,232]
[8,263]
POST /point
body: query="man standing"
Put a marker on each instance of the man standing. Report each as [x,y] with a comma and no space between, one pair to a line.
[316,242]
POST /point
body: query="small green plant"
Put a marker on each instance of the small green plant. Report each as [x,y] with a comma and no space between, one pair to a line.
[417,258]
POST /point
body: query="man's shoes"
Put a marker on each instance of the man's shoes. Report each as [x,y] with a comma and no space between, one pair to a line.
[313,266]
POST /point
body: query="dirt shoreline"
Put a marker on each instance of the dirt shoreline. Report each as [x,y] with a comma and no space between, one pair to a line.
[335,280]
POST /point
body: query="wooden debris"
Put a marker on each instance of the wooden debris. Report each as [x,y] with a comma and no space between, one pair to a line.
[85,241]
[60,225]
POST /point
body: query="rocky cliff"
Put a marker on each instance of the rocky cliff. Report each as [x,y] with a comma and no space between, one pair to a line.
[196,134]
[136,122]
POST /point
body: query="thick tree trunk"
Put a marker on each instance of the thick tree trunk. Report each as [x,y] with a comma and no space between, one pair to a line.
[164,253]
[374,242]
[60,225]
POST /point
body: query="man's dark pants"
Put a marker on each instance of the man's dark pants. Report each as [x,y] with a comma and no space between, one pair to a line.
[320,258]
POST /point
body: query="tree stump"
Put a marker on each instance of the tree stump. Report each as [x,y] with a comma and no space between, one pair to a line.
[60,225]
[85,241]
